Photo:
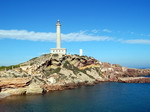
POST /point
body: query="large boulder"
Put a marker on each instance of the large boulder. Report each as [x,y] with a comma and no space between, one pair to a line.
[52,80]
[34,88]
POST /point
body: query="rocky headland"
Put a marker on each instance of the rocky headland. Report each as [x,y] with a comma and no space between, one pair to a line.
[52,72]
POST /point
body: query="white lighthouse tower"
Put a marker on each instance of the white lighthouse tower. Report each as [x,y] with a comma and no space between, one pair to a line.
[58,49]
[58,34]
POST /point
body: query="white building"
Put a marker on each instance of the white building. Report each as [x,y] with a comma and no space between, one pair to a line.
[81,52]
[58,49]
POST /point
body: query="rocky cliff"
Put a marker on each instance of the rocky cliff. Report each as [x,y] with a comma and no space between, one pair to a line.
[51,72]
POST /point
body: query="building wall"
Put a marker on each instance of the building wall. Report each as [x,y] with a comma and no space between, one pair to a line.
[58,51]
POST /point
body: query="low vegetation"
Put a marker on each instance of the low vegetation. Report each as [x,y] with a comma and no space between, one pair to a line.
[51,71]
[2,68]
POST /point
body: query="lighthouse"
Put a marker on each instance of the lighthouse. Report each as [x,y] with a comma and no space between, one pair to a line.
[58,49]
[58,34]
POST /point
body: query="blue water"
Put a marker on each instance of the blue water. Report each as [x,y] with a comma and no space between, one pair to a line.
[147,76]
[103,97]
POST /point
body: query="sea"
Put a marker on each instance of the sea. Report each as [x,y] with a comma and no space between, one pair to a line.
[103,97]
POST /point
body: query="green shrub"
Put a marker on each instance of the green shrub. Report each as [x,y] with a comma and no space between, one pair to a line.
[98,71]
[33,59]
[2,68]
[51,71]
[45,54]
[9,67]
[90,76]
[55,55]
[71,67]
[62,76]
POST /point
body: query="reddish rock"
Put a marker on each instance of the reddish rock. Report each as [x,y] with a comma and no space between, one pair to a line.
[134,80]
[106,65]
[59,87]
[14,82]
[116,65]
[67,86]
[118,69]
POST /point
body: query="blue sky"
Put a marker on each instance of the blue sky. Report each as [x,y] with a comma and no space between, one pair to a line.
[115,31]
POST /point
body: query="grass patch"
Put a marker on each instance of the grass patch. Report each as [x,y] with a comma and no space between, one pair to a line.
[62,76]
[37,78]
[55,55]
[2,68]
[45,54]
[98,71]
[51,71]
[33,59]
[75,70]
[90,76]
[71,67]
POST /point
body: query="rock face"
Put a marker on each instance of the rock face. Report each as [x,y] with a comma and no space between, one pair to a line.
[14,82]
[135,80]
[51,72]
[14,91]
[34,89]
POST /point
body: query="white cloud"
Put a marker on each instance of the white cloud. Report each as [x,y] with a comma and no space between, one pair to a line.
[70,37]
[132,32]
[26,35]
[137,41]
[45,36]
[107,30]
[82,36]
[95,31]
[142,34]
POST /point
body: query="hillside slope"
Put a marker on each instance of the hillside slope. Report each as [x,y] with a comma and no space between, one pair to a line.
[58,72]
